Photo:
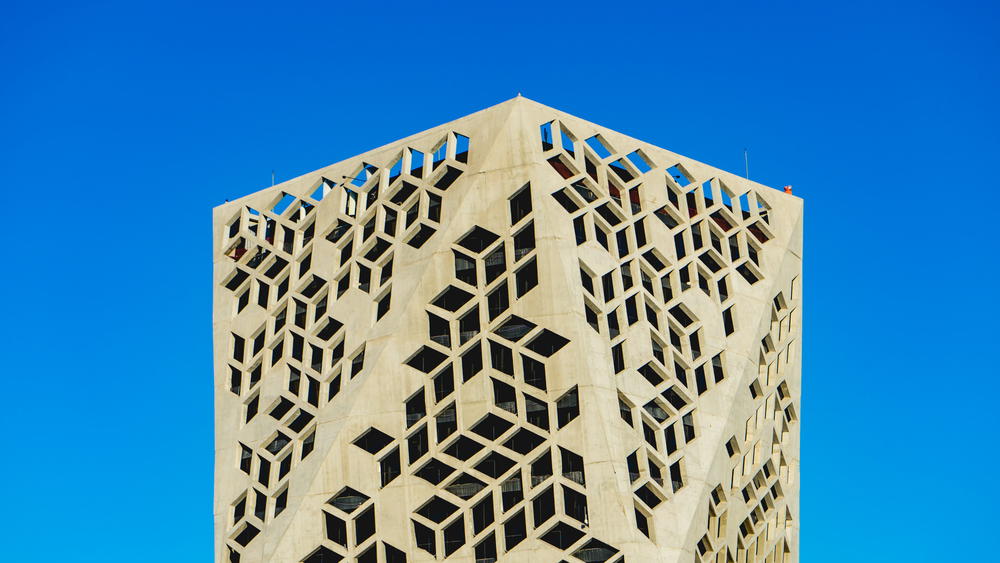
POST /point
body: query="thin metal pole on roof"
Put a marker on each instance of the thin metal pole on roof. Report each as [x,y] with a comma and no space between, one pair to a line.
[272,178]
[746,162]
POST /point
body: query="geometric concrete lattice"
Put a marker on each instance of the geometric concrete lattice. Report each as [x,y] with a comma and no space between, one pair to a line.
[514,337]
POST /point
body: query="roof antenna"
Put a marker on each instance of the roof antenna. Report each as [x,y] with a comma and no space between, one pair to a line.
[746,162]
[272,178]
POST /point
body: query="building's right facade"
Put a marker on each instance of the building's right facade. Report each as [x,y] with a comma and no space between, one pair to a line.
[577,347]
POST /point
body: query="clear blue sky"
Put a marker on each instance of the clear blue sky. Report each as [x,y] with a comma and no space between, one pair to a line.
[123,123]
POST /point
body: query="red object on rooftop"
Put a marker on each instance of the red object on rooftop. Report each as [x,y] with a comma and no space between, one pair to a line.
[788,189]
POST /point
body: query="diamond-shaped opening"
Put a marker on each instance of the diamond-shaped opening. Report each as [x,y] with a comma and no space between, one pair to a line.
[494,465]
[437,509]
[418,240]
[514,328]
[435,471]
[426,359]
[336,529]
[348,500]
[478,239]
[322,555]
[465,486]
[547,343]
[491,427]
[562,536]
[646,495]
[247,534]
[524,441]
[595,551]
[463,448]
[452,298]
[373,440]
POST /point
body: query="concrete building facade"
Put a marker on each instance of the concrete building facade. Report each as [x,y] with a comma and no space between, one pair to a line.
[518,336]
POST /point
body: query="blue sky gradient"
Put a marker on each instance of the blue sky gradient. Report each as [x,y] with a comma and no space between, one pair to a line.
[124,123]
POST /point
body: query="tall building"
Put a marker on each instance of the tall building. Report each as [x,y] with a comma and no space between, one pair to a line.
[515,337]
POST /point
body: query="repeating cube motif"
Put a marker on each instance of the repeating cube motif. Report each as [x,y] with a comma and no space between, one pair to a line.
[515,337]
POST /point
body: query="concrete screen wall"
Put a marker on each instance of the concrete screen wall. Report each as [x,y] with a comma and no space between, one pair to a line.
[518,336]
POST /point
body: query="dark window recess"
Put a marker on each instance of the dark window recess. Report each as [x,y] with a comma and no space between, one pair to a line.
[565,200]
[524,441]
[370,555]
[437,509]
[676,480]
[580,230]
[478,239]
[631,311]
[674,398]
[613,327]
[647,496]
[389,225]
[383,305]
[426,359]
[435,471]
[364,525]
[494,465]
[537,412]
[562,536]
[514,328]
[482,514]
[671,439]
[524,241]
[534,372]
[501,358]
[526,278]
[447,423]
[498,301]
[472,362]
[717,368]
[572,466]
[440,330]
[568,407]
[511,491]
[452,298]
[491,427]
[454,536]
[504,396]
[575,505]
[417,444]
[373,440]
[247,535]
[465,268]
[418,240]
[358,363]
[463,448]
[486,550]
[434,207]
[633,466]
[520,204]
[544,506]
[547,343]
[601,236]
[688,421]
[348,500]
[496,264]
[468,326]
[642,522]
[625,411]
[415,409]
[444,384]
[393,555]
[424,537]
[308,444]
[514,531]
[618,358]
[448,178]
[465,486]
